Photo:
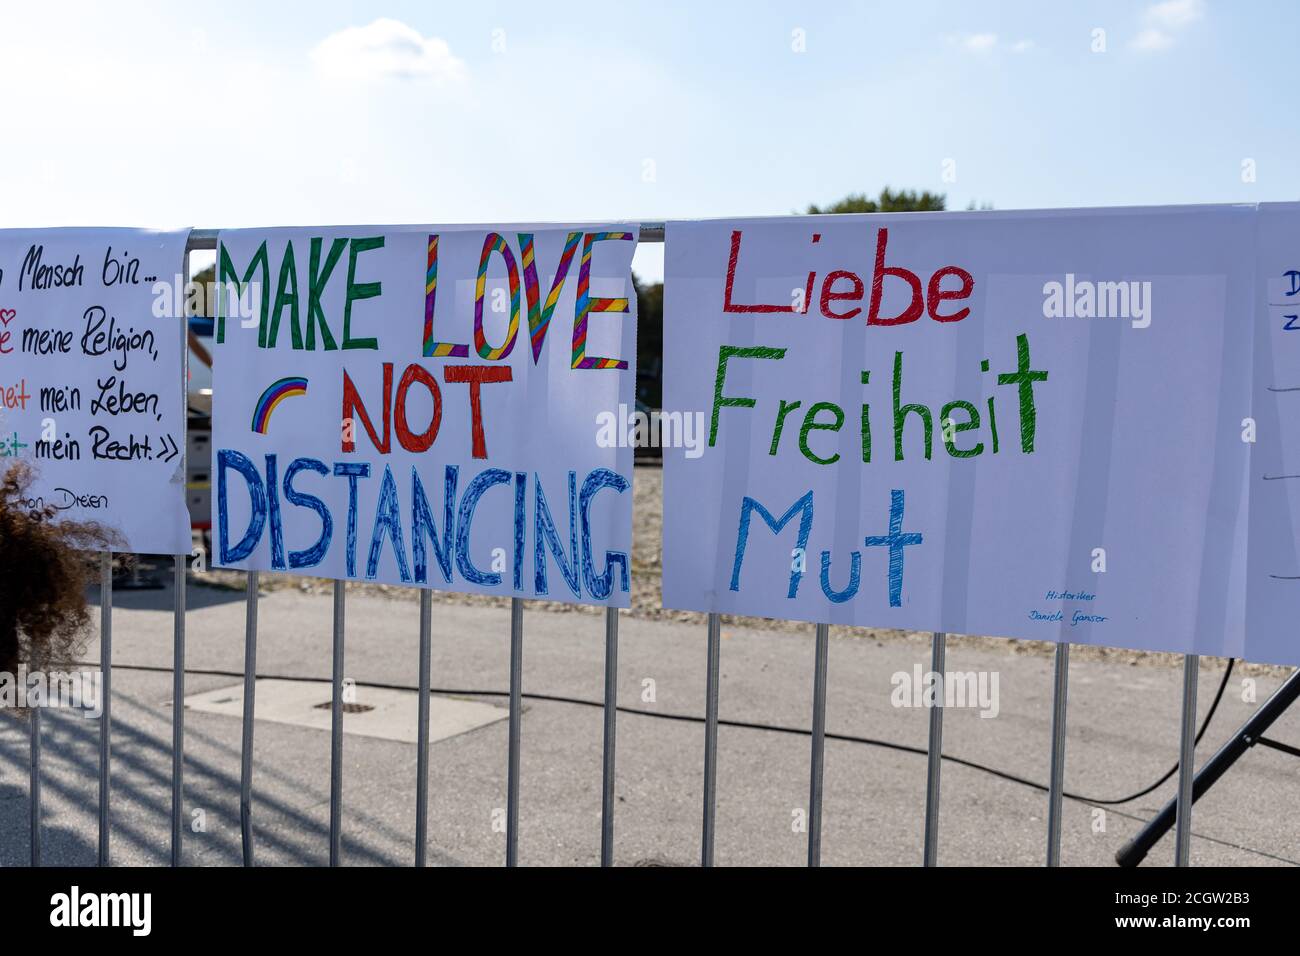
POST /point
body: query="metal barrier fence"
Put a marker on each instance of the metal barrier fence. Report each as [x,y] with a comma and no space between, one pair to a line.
[206,239]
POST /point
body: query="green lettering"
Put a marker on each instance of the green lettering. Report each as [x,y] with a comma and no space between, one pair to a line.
[901,413]
[784,409]
[1024,378]
[359,290]
[286,294]
[810,424]
[228,277]
[950,440]
[725,354]
[316,280]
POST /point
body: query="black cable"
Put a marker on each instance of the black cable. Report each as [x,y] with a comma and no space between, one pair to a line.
[741,724]
[1205,725]
[1278,745]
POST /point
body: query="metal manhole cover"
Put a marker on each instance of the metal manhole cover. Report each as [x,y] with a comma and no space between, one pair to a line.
[387,714]
[347,708]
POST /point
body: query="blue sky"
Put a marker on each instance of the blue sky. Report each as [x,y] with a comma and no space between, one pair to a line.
[303,113]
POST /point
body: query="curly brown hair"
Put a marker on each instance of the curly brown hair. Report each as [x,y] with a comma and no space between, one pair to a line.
[44,572]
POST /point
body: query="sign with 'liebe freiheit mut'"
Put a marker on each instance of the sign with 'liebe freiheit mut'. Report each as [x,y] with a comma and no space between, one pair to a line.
[1027,424]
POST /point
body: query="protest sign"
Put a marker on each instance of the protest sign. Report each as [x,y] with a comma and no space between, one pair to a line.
[421,405]
[1025,424]
[92,393]
[1273,589]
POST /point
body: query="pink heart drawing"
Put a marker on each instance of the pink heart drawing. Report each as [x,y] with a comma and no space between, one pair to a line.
[8,315]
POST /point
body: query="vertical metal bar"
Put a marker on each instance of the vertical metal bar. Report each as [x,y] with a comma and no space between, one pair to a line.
[106,677]
[611,717]
[934,752]
[711,740]
[336,728]
[1056,783]
[178,607]
[178,710]
[1186,763]
[34,789]
[516,712]
[818,746]
[422,732]
[250,701]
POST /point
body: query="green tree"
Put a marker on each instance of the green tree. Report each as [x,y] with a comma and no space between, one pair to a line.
[205,279]
[902,200]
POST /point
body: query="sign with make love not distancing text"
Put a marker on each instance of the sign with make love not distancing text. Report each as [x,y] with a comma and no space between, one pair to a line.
[421,405]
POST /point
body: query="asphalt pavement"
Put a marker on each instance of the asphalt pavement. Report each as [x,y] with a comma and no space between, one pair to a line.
[1122,734]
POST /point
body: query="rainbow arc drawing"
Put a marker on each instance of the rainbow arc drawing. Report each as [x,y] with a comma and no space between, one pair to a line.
[276,393]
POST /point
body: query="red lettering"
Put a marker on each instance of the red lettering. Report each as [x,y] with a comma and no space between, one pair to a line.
[352,404]
[828,294]
[15,396]
[475,376]
[729,306]
[937,295]
[409,441]
[914,310]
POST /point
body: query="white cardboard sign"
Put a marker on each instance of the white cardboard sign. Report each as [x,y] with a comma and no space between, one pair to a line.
[1273,591]
[92,394]
[1026,424]
[421,405]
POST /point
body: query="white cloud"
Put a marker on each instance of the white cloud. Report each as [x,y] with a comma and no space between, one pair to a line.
[1174,14]
[1164,21]
[987,43]
[1149,41]
[980,42]
[387,48]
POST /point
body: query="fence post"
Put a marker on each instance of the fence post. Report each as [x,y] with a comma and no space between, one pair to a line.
[34,788]
[711,741]
[818,746]
[516,706]
[1186,763]
[106,676]
[1056,785]
[934,752]
[178,710]
[336,727]
[611,717]
[250,701]
[422,731]
[178,604]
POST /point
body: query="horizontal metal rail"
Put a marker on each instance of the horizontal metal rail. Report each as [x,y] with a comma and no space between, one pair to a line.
[206,239]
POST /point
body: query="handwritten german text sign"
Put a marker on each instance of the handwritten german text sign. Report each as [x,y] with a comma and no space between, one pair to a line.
[1017,424]
[91,389]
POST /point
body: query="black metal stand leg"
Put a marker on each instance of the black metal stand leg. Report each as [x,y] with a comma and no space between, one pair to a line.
[1135,850]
